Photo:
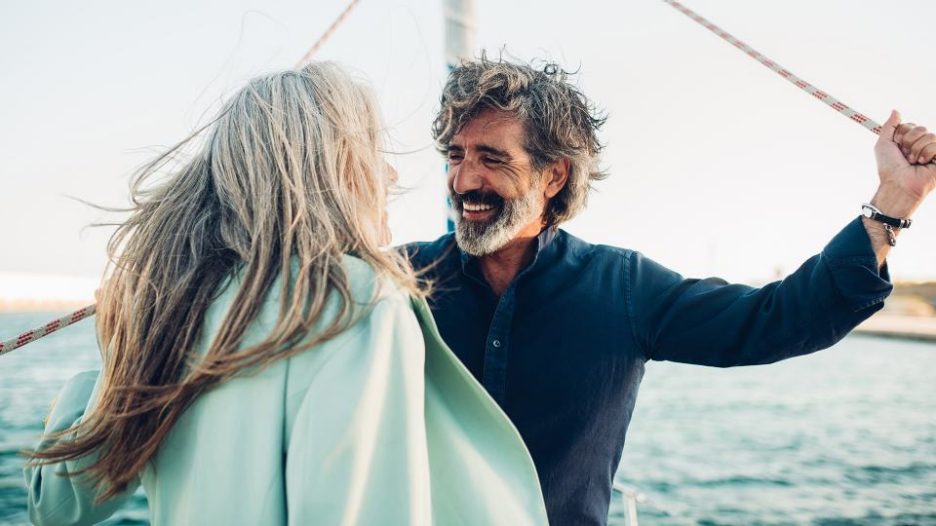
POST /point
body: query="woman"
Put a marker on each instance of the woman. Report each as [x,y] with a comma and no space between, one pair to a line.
[265,359]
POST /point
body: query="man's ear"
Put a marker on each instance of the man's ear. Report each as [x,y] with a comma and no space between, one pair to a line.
[557,175]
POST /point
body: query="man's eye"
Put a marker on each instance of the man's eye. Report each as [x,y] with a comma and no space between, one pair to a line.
[454,157]
[489,160]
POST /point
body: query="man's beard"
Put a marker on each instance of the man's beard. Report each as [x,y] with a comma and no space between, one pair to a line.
[480,238]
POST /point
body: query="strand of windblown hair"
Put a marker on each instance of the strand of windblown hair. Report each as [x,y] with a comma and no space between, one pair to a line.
[52,326]
[325,36]
[780,70]
[48,328]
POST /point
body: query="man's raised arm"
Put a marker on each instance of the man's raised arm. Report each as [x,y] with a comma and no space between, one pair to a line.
[711,322]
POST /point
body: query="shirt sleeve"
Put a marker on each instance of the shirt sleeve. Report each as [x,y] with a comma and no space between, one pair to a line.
[56,496]
[357,451]
[711,322]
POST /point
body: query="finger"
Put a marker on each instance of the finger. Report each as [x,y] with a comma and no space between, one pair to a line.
[928,155]
[908,138]
[899,133]
[916,149]
[890,126]
[912,136]
[902,130]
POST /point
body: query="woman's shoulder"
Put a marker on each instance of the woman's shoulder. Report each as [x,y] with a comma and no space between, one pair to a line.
[379,304]
[370,287]
[366,287]
[379,312]
[382,340]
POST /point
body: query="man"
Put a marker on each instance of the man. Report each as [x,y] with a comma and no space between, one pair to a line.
[558,330]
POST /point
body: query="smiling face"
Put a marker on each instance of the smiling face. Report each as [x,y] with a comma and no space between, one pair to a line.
[497,195]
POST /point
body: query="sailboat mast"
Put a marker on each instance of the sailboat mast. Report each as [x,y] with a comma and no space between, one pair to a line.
[459,45]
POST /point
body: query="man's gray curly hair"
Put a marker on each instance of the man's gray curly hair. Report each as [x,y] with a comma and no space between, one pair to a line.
[559,121]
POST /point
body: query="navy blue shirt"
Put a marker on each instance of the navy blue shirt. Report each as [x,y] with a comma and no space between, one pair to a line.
[563,349]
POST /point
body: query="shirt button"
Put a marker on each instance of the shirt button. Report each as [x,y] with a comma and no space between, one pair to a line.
[496,344]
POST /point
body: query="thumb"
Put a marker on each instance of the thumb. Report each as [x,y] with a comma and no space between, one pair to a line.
[890,126]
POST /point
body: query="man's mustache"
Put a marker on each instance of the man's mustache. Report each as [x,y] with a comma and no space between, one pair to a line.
[477,197]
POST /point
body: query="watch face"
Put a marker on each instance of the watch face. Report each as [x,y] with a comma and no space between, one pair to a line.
[867,212]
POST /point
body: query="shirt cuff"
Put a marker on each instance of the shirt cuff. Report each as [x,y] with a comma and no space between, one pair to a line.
[852,264]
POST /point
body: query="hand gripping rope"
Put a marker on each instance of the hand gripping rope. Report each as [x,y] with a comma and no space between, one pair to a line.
[49,328]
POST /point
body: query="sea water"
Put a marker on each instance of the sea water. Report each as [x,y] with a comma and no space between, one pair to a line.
[843,437]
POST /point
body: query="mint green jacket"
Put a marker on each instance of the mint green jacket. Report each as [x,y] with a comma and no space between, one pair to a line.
[380,425]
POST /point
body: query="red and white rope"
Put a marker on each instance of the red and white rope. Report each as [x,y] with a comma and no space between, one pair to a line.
[52,326]
[834,103]
[325,36]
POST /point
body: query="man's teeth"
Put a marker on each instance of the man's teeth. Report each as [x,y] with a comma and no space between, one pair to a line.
[476,208]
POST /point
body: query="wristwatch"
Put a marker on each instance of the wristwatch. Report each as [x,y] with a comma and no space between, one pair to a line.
[890,223]
[871,212]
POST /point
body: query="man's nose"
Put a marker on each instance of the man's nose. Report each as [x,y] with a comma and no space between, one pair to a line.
[465,177]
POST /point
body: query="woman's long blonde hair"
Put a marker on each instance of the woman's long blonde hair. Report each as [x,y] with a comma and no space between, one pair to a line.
[288,180]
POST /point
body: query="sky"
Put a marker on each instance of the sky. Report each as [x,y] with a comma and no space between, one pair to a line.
[718,166]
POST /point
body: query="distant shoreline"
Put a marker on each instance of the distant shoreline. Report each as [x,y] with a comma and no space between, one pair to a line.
[917,328]
[40,306]
[900,336]
[881,325]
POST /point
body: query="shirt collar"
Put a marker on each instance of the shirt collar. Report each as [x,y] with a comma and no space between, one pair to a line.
[543,241]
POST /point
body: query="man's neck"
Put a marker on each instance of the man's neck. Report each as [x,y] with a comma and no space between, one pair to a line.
[501,267]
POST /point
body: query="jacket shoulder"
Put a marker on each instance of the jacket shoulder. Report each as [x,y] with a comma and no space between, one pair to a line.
[579,248]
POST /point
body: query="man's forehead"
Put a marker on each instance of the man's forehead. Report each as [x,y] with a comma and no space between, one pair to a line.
[495,128]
